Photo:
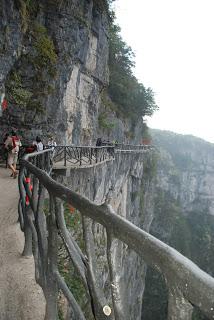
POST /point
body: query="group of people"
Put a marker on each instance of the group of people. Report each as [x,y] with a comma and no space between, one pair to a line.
[101,142]
[12,144]
[38,145]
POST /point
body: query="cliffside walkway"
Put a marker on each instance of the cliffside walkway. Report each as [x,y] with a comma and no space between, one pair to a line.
[20,297]
[89,156]
[187,284]
[43,221]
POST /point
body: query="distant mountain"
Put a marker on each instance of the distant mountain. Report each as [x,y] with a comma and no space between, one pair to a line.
[183,209]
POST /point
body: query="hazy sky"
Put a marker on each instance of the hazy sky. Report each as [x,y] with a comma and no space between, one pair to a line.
[174,47]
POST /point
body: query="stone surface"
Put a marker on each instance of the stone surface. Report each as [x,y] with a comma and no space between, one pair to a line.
[20,297]
[118,182]
[70,97]
[79,34]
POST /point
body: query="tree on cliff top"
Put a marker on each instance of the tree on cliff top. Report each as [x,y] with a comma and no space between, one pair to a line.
[132,99]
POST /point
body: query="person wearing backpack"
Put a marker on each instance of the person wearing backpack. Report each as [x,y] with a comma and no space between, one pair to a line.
[12,144]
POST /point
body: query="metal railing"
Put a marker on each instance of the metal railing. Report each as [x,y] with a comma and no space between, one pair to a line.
[188,285]
[139,147]
[82,155]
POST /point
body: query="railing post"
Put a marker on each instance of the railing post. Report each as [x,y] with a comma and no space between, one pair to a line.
[188,285]
[80,156]
[96,154]
[51,288]
[27,251]
[90,155]
[64,156]
[178,306]
[25,213]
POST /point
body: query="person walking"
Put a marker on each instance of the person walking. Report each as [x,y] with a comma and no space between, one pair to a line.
[52,143]
[99,142]
[38,143]
[13,144]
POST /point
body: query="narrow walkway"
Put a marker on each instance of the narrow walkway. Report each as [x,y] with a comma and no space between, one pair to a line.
[20,297]
[85,164]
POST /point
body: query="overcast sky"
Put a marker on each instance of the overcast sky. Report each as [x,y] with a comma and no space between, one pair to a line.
[174,47]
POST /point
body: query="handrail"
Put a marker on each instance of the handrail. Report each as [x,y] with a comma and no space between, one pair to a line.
[86,155]
[122,146]
[188,285]
[82,155]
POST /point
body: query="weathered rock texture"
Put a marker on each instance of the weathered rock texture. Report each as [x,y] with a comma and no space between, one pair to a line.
[118,182]
[54,71]
[75,68]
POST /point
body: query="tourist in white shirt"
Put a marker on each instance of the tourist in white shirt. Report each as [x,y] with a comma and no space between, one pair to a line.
[52,143]
[38,143]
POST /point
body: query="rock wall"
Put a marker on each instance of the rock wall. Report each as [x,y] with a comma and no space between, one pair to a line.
[65,87]
[183,216]
[118,182]
[53,72]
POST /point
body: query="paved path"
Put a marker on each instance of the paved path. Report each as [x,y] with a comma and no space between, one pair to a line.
[20,297]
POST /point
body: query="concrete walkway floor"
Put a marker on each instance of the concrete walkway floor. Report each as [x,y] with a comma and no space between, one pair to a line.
[20,297]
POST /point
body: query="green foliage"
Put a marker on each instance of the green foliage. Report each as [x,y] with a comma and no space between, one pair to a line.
[201,226]
[171,222]
[67,270]
[60,314]
[104,122]
[82,19]
[146,133]
[101,5]
[72,279]
[107,102]
[130,96]
[190,234]
[16,92]
[29,91]
[46,56]
[73,222]
[172,228]
[21,4]
[27,9]
[129,134]
[21,96]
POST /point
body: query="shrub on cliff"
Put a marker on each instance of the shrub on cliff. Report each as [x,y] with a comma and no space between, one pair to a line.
[130,96]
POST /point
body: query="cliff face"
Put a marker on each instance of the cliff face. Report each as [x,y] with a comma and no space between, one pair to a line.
[54,69]
[53,72]
[189,172]
[54,65]
[119,182]
[183,208]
